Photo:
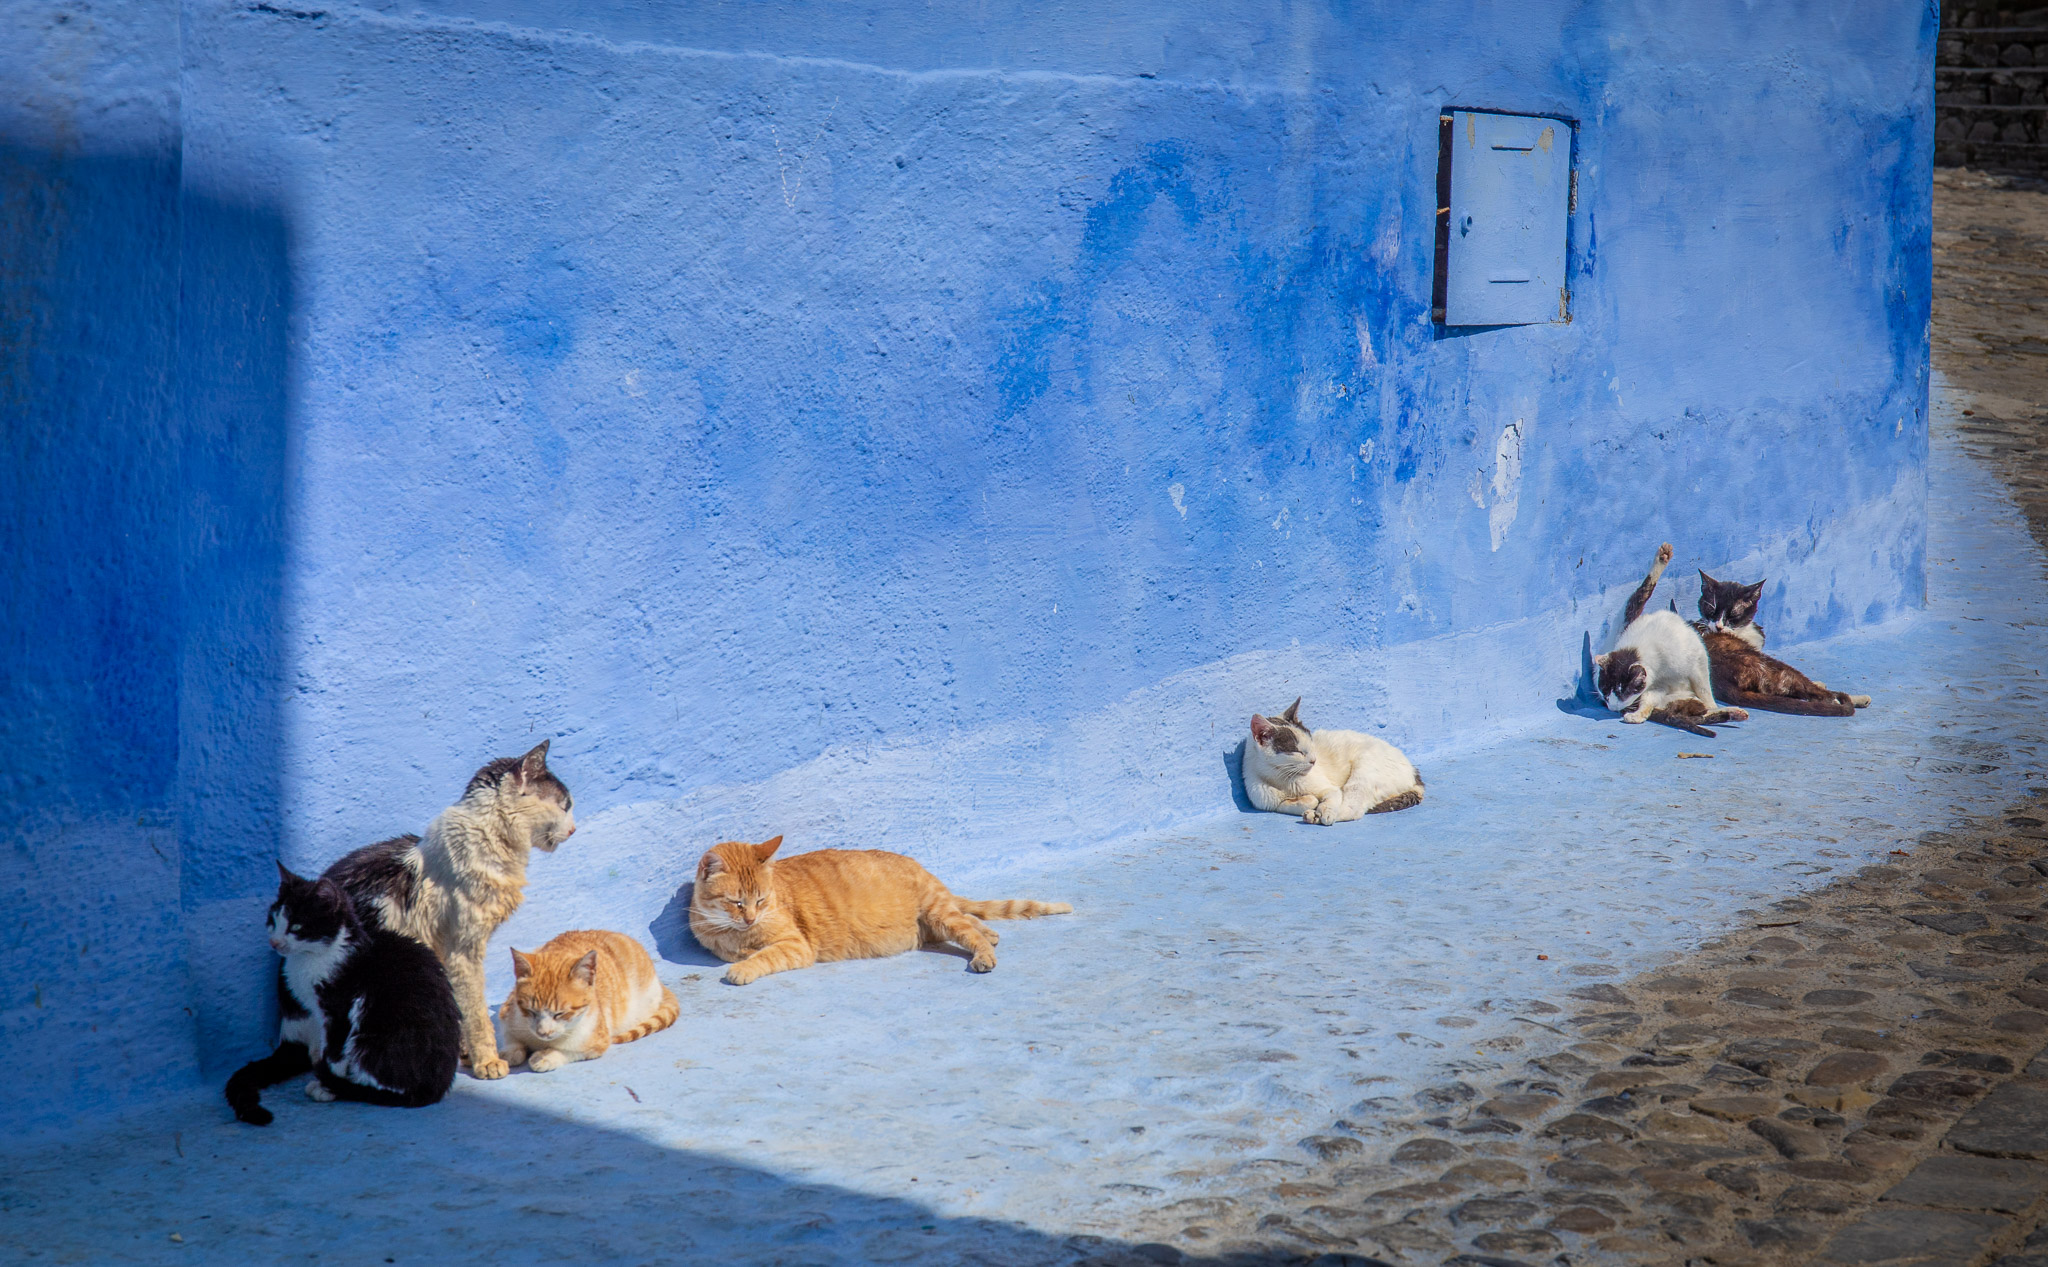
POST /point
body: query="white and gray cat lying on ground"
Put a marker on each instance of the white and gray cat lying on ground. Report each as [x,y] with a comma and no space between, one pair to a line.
[1326,776]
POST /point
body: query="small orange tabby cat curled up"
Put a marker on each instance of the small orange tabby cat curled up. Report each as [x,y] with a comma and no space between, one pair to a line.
[764,917]
[578,995]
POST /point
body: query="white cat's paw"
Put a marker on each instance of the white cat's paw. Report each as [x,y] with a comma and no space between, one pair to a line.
[542,1061]
[317,1090]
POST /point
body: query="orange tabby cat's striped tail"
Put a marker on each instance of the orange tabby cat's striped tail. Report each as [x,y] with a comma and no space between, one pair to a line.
[664,1016]
[1013,908]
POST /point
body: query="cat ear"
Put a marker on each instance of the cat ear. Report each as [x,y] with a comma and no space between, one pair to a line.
[1293,714]
[586,968]
[1262,730]
[766,849]
[522,967]
[329,891]
[1600,661]
[534,764]
[285,876]
[709,865]
[1756,591]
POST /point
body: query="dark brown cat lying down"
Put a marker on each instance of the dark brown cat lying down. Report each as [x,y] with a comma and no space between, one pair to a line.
[1743,675]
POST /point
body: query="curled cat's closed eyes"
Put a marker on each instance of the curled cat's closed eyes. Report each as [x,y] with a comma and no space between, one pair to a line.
[1326,776]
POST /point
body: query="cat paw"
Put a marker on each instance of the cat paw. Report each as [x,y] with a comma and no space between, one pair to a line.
[983,962]
[542,1061]
[255,1115]
[739,974]
[1663,553]
[489,1069]
[1635,719]
[1734,714]
[317,1090]
[1860,701]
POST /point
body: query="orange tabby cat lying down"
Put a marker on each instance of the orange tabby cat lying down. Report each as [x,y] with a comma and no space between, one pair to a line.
[579,994]
[764,917]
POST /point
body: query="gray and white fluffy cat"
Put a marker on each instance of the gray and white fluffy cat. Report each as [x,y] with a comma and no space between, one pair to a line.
[1326,776]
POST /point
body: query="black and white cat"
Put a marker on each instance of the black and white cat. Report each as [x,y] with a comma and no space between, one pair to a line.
[368,1012]
[1659,670]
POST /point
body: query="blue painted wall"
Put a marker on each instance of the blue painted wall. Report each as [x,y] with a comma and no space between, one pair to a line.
[886,426]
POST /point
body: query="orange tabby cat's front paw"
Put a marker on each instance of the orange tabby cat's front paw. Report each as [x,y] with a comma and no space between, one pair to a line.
[490,1068]
[982,962]
[741,974]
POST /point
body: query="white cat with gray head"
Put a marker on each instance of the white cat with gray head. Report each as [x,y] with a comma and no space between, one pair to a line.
[1326,776]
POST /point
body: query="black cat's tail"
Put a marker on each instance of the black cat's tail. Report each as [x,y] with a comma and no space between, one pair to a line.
[244,1089]
[1836,705]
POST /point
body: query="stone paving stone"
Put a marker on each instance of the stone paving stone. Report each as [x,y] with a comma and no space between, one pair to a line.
[1950,1182]
[1913,1238]
[2010,1122]
[1847,1067]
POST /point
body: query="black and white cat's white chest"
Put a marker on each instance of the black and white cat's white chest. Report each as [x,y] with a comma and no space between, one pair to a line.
[314,990]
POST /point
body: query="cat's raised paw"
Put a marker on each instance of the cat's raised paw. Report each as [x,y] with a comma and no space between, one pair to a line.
[542,1061]
[490,1069]
[317,1090]
[1663,553]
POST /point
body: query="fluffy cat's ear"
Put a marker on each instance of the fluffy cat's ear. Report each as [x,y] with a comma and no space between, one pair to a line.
[329,891]
[534,764]
[1293,714]
[285,876]
[766,849]
[1600,661]
[709,865]
[522,967]
[1755,593]
[1262,730]
[586,968]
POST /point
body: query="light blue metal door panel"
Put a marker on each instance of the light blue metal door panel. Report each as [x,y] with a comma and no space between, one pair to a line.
[1510,203]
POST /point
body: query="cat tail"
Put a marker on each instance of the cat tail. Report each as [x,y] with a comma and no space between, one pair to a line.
[1013,908]
[244,1089]
[1680,721]
[1837,705]
[664,1016]
[1400,800]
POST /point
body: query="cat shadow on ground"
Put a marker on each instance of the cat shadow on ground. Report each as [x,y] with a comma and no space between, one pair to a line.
[1585,701]
[673,940]
[1233,769]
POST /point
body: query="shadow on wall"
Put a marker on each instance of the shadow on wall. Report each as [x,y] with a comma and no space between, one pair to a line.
[142,383]
[475,1180]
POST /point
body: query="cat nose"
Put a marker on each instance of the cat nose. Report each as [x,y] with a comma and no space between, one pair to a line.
[570,832]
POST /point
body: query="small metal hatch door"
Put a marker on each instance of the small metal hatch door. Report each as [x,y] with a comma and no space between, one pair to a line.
[1503,257]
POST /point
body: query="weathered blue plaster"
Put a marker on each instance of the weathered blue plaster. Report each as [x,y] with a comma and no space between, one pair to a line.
[898,427]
